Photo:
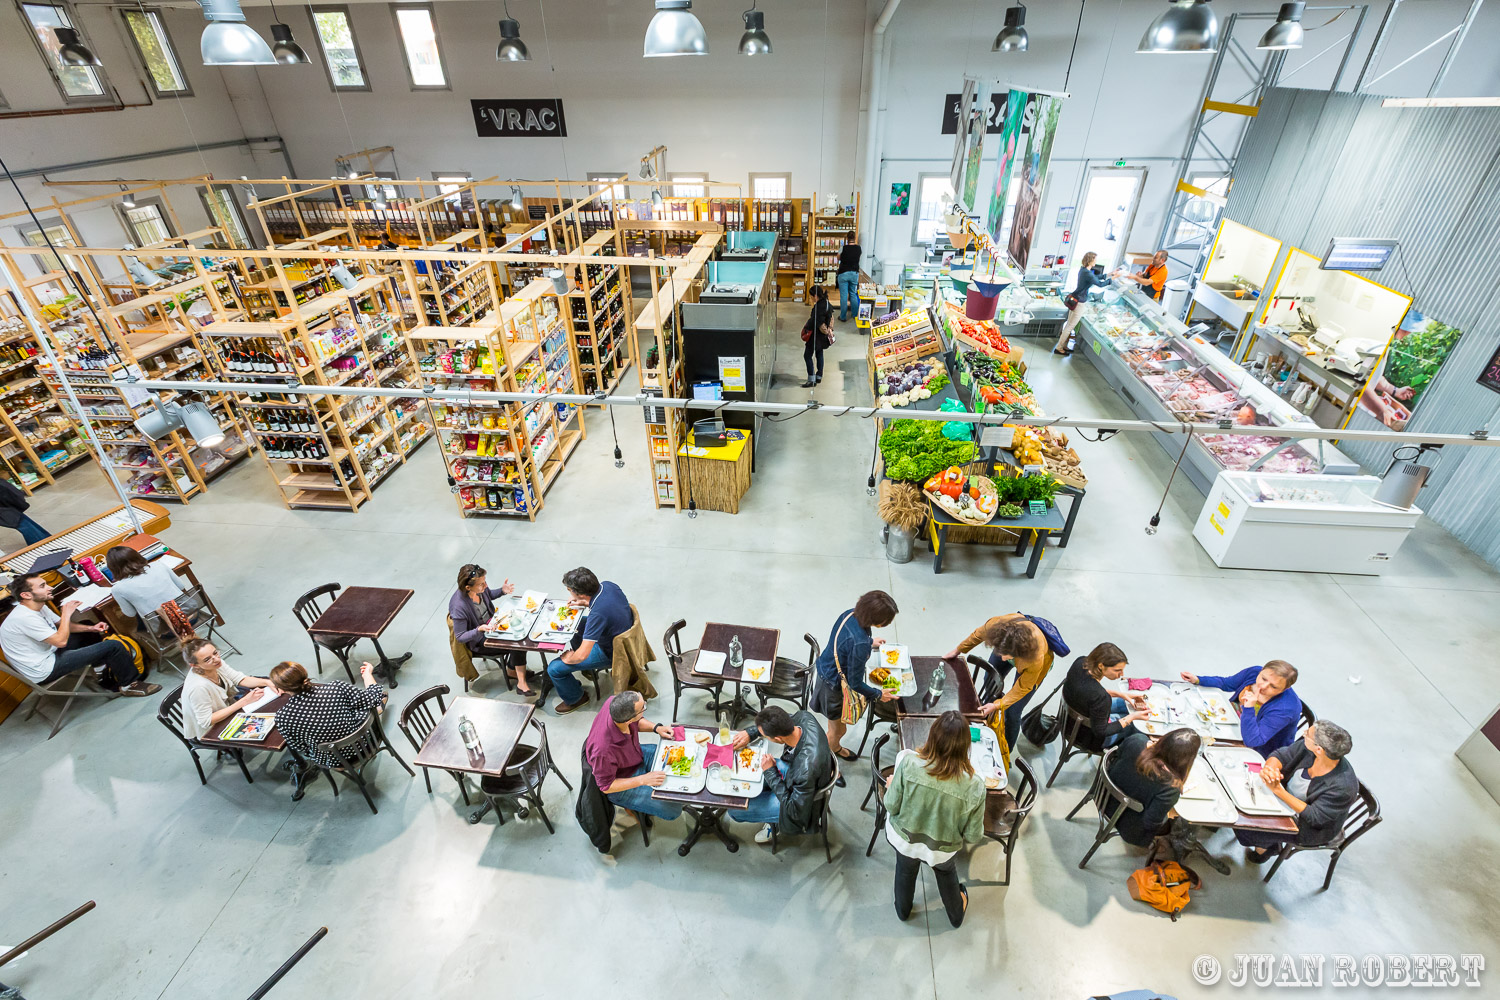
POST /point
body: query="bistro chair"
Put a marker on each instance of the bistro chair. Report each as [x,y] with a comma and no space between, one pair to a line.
[880,777]
[1309,717]
[1363,815]
[497,661]
[354,753]
[987,681]
[1074,724]
[1005,814]
[78,684]
[1109,801]
[169,714]
[791,681]
[308,608]
[418,720]
[682,671]
[878,711]
[525,772]
[165,646]
[819,815]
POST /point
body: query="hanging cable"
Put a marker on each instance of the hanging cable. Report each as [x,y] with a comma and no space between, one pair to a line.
[1071,52]
[1156,518]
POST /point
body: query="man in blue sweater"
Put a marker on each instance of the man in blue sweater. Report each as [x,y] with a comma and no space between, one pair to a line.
[1269,708]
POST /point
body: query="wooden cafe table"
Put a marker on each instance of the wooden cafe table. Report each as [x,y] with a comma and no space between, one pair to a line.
[273,743]
[500,725]
[756,644]
[366,612]
[705,809]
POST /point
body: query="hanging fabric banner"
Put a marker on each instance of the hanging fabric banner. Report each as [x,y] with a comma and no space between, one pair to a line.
[1025,150]
[961,136]
[977,120]
[1010,138]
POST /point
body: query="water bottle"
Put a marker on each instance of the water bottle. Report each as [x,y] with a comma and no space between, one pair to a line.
[736,652]
[470,735]
[936,684]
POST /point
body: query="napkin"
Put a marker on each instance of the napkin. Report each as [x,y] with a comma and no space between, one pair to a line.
[552,647]
[709,662]
[716,754]
[678,734]
[1139,684]
[1254,768]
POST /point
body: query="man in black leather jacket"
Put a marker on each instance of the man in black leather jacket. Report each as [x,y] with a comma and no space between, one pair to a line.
[792,782]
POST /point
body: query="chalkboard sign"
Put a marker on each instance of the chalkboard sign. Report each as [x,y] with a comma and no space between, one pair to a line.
[1489,376]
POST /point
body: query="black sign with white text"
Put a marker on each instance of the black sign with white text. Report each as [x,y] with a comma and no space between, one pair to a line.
[519,118]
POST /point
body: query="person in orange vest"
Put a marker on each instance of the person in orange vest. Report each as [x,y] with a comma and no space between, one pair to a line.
[1153,277]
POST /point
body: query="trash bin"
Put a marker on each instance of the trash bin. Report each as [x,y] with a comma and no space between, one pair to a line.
[1174,301]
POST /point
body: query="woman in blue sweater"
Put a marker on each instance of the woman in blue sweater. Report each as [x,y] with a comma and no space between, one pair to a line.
[844,658]
[1269,708]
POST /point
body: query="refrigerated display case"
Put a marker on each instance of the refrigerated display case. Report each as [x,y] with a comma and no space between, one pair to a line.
[1165,374]
[1306,523]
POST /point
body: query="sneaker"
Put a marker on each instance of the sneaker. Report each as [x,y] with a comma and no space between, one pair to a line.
[764,835]
[140,689]
[564,708]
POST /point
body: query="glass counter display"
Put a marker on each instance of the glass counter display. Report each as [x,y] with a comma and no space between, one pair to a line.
[1164,373]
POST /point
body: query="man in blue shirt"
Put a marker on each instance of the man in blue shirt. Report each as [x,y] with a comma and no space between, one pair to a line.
[1269,708]
[609,616]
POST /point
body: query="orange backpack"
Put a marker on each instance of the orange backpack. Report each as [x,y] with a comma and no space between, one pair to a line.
[1164,885]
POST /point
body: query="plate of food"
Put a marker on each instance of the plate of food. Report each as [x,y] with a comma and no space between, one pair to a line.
[743,777]
[511,619]
[970,499]
[556,621]
[682,761]
[532,600]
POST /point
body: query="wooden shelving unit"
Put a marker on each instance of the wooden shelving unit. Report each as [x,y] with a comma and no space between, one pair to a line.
[829,234]
[599,308]
[502,457]
[36,437]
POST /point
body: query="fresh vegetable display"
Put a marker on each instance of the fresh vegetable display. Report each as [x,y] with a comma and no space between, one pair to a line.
[984,335]
[900,385]
[1021,490]
[915,450]
[969,498]
[1011,510]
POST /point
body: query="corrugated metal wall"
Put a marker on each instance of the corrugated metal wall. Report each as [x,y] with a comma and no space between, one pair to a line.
[1315,165]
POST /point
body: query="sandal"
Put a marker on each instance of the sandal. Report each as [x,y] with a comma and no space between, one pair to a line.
[843,753]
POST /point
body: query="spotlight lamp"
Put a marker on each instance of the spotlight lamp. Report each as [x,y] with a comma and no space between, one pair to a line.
[511,48]
[127,200]
[1013,37]
[755,41]
[516,202]
[283,46]
[71,51]
[675,31]
[194,418]
[1185,26]
[228,40]
[1287,32]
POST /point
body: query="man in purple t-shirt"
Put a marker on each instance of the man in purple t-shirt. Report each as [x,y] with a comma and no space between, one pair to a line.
[613,749]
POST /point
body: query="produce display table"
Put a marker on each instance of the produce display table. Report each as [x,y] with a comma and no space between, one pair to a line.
[1040,526]
[1075,493]
[718,477]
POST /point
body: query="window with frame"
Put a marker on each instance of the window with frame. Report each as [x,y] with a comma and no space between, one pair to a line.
[771,187]
[688,185]
[417,27]
[58,235]
[145,223]
[342,62]
[1201,210]
[220,204]
[154,46]
[934,191]
[76,83]
[612,192]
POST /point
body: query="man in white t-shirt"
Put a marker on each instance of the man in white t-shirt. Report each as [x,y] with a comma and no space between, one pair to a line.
[42,645]
[210,685]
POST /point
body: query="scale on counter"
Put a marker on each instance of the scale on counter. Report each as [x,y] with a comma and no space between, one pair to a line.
[728,294]
[709,433]
[744,253]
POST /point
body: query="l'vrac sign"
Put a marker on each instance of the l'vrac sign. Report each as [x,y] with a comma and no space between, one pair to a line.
[994,123]
[512,118]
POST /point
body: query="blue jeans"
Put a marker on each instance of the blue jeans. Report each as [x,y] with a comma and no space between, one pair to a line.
[568,688]
[638,799]
[848,283]
[31,531]
[1118,709]
[764,808]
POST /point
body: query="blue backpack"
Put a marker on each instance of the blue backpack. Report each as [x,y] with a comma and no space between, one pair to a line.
[1054,637]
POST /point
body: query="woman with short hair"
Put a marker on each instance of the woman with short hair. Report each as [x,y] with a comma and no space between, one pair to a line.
[1152,772]
[843,662]
[934,805]
[1023,643]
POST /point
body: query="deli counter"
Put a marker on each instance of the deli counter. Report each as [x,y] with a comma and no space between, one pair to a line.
[1164,374]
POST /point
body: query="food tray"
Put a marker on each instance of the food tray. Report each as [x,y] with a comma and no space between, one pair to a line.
[984,756]
[1249,794]
[688,784]
[741,782]
[521,620]
[1202,709]
[551,626]
[880,658]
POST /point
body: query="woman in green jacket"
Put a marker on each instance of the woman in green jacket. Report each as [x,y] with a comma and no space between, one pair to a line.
[934,805]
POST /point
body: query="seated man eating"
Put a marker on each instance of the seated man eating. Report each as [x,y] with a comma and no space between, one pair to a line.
[1269,708]
[613,750]
[792,782]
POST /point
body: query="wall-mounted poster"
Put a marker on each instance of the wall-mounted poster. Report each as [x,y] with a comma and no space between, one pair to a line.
[1489,377]
[1412,360]
[900,198]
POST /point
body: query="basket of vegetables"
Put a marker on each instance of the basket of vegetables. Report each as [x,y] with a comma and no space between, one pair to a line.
[970,499]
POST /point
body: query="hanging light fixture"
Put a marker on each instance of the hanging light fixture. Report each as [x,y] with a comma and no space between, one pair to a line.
[674,31]
[511,48]
[1287,32]
[755,41]
[1185,26]
[71,51]
[1013,37]
[228,40]
[515,198]
[283,46]
[126,198]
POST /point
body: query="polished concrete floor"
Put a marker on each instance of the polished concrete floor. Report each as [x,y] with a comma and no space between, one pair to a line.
[203,891]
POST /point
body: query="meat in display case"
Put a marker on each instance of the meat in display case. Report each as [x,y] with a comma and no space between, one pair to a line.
[1164,373]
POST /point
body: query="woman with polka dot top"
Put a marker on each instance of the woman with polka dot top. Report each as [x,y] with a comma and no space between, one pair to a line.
[322,713]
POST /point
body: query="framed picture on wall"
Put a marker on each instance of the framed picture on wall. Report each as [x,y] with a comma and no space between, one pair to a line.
[900,198]
[1489,376]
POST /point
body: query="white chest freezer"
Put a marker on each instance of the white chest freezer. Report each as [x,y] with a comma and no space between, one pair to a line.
[1310,523]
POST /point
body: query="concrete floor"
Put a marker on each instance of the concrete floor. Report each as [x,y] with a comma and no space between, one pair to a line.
[203,891]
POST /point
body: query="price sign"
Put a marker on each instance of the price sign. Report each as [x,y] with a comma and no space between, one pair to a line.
[1036,507]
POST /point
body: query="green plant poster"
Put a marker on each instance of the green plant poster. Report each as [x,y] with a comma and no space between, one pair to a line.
[1412,360]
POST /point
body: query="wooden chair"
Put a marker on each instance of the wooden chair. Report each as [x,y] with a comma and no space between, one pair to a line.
[1109,801]
[1363,816]
[880,778]
[988,684]
[682,673]
[169,714]
[79,683]
[525,772]
[819,815]
[1309,718]
[1005,814]
[418,720]
[791,681]
[1074,723]
[878,711]
[164,645]
[308,608]
[354,753]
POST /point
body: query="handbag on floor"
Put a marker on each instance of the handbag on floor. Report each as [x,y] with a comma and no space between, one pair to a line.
[1165,885]
[854,702]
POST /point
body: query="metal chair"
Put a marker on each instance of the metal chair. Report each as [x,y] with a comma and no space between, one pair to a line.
[1074,723]
[682,674]
[878,711]
[1109,801]
[308,608]
[1363,815]
[418,721]
[1004,815]
[169,714]
[525,772]
[819,815]
[355,752]
[880,777]
[163,644]
[67,687]
[1309,718]
[790,680]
